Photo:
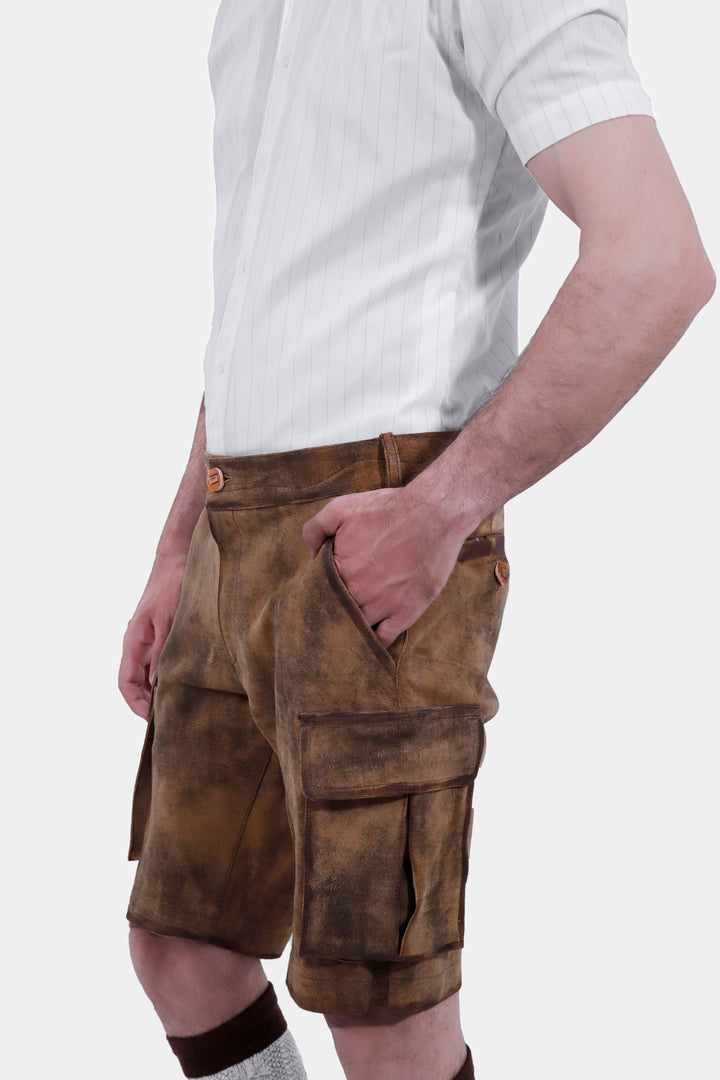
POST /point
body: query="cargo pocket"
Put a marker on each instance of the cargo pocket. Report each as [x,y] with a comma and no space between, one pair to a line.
[143,785]
[388,810]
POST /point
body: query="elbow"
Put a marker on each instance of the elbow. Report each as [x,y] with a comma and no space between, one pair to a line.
[680,290]
[689,278]
[673,284]
[669,273]
[702,282]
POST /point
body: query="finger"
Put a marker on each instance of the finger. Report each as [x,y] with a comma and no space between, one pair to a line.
[140,704]
[323,524]
[130,677]
[135,689]
[152,669]
[155,656]
[390,629]
[133,676]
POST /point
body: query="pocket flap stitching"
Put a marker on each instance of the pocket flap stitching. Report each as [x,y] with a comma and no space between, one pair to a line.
[384,754]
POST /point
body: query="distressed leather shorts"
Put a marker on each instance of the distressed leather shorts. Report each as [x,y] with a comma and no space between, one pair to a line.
[298,778]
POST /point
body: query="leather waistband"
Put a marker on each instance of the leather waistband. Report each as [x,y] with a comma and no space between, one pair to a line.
[318,472]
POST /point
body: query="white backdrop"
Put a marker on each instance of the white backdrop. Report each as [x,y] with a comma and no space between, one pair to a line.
[593,943]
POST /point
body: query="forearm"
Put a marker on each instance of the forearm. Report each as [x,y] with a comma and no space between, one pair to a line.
[605,333]
[188,503]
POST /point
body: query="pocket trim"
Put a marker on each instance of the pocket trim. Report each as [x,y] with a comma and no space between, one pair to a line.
[334,578]
[375,755]
[476,547]
[385,831]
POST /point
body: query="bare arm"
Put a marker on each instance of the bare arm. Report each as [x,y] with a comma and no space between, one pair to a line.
[149,626]
[178,529]
[641,277]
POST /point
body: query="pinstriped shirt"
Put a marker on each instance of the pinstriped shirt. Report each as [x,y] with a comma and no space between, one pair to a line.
[373,204]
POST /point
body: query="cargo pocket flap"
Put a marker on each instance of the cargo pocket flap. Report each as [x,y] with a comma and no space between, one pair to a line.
[384,754]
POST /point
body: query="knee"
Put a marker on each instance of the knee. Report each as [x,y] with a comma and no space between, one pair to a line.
[359,1036]
[162,961]
[377,1016]
[408,1041]
[153,956]
[168,965]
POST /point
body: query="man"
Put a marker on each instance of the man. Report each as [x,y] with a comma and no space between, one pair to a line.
[316,695]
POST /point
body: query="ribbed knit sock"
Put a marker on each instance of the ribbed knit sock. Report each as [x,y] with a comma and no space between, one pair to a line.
[254,1045]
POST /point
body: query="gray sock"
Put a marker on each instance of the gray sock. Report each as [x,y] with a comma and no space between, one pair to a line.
[279,1061]
[254,1045]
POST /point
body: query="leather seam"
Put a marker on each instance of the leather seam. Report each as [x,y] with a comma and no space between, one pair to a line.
[236,845]
[217,602]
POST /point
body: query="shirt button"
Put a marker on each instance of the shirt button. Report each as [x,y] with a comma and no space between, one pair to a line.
[243,265]
[284,59]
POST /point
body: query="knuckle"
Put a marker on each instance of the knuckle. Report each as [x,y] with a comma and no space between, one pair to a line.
[432,586]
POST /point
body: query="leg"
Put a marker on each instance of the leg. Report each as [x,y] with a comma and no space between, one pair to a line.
[194,986]
[220,1014]
[379,749]
[426,1045]
[215,857]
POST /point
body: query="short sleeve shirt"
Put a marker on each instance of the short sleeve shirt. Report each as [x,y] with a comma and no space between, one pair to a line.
[374,207]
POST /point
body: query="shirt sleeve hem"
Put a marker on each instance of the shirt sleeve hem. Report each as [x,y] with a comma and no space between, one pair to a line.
[549,123]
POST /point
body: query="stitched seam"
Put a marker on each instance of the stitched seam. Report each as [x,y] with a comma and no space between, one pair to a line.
[217,602]
[304,920]
[484,536]
[396,460]
[241,830]
[401,653]
[353,609]
[169,929]
[340,717]
[285,502]
[394,788]
[394,966]
[386,461]
[465,862]
[393,468]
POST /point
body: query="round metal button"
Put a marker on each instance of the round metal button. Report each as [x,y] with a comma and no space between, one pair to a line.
[502,572]
[215,480]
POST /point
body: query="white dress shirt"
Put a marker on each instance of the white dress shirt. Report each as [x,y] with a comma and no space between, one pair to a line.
[373,205]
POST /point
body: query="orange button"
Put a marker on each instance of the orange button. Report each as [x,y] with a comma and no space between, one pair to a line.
[215,480]
[502,572]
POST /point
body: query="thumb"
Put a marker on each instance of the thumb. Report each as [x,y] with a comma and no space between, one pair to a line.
[152,670]
[389,629]
[323,524]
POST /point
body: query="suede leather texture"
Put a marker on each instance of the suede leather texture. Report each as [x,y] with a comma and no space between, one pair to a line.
[299,780]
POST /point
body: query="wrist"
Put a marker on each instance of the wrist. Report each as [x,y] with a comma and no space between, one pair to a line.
[171,560]
[176,537]
[438,493]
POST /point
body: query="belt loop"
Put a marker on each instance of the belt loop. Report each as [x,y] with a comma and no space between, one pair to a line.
[391,457]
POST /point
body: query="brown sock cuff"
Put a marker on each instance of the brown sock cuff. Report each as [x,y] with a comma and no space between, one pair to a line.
[467,1072]
[237,1039]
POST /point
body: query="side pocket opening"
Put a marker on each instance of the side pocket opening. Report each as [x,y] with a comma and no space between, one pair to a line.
[388,798]
[387,656]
